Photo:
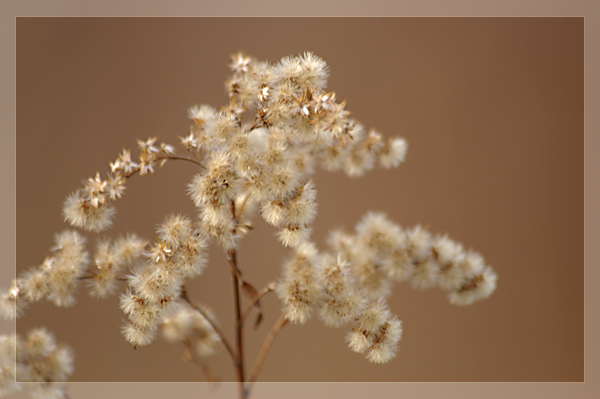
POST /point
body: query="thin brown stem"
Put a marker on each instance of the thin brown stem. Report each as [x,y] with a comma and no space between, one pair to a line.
[190,355]
[262,355]
[170,157]
[270,287]
[198,309]
[239,358]
[173,157]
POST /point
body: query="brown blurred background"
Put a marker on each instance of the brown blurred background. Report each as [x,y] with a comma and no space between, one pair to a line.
[492,109]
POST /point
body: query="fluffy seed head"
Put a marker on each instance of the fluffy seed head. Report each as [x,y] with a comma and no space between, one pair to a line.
[300,289]
[293,235]
[385,344]
[175,230]
[313,72]
[476,289]
[393,153]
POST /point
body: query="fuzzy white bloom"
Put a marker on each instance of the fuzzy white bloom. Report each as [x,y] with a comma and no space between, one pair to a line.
[473,264]
[242,145]
[446,251]
[370,276]
[128,248]
[299,209]
[65,268]
[358,341]
[398,266]
[333,157]
[138,335]
[385,343]
[476,289]
[302,206]
[450,256]
[154,287]
[282,181]
[287,69]
[39,358]
[342,242]
[111,260]
[376,333]
[187,324]
[191,258]
[247,90]
[141,312]
[293,235]
[221,128]
[373,316]
[274,212]
[202,114]
[56,279]
[35,283]
[175,230]
[8,370]
[313,72]
[218,224]
[393,153]
[418,243]
[425,274]
[303,162]
[219,184]
[12,302]
[107,267]
[80,213]
[342,310]
[300,289]
[341,303]
[377,234]
[359,162]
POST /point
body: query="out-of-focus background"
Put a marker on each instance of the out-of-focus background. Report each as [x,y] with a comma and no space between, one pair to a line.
[492,109]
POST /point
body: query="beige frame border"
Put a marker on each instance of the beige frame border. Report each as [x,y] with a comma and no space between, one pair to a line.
[10,9]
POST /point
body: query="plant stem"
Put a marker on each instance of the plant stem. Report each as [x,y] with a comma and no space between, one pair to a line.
[173,157]
[193,358]
[270,287]
[282,321]
[239,353]
[184,296]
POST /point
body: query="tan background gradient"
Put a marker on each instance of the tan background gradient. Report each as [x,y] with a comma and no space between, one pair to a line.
[493,113]
[493,85]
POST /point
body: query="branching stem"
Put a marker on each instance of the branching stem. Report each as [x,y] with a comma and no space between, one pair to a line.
[239,353]
[282,321]
[173,157]
[270,287]
[213,325]
[193,358]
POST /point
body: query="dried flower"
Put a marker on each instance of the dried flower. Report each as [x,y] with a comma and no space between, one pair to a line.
[264,163]
[37,358]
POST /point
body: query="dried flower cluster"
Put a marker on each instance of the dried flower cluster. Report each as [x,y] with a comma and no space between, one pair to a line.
[154,286]
[265,163]
[38,359]
[188,326]
[56,279]
[349,284]
[381,252]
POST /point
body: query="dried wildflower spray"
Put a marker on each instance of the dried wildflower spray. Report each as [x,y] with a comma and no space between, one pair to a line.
[264,163]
